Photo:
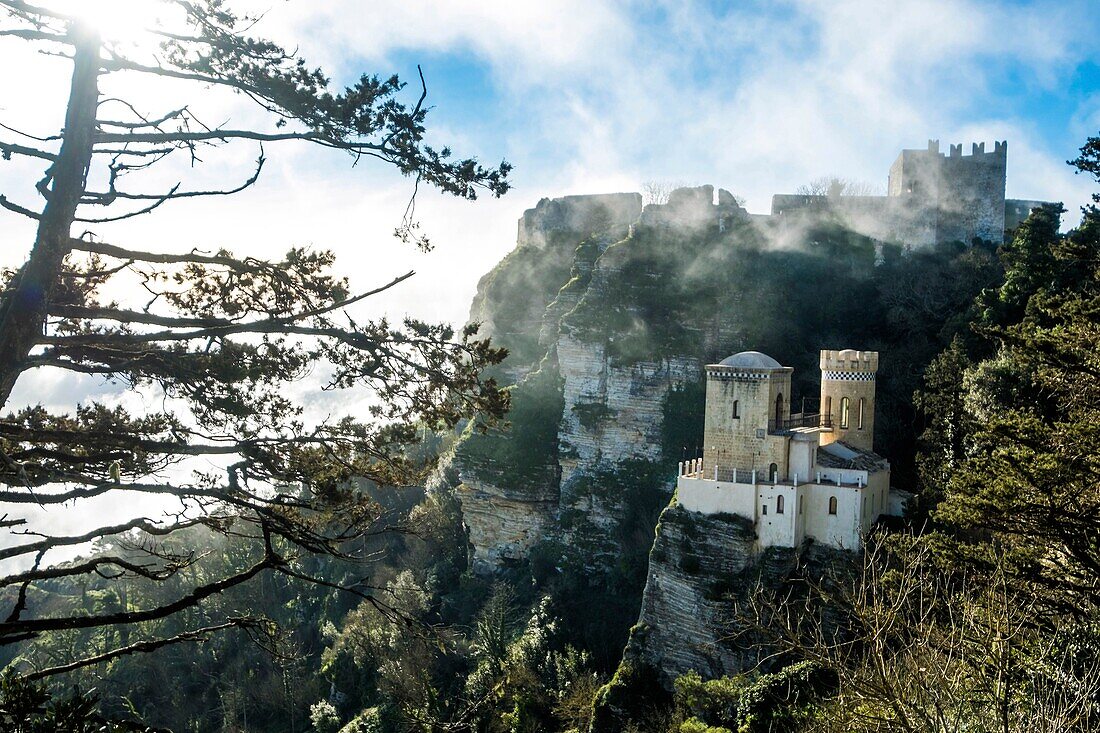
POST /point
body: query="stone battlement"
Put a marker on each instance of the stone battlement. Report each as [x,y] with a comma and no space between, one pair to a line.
[1000,148]
[849,360]
[977,150]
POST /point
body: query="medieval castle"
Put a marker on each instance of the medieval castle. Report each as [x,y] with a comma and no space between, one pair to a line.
[931,197]
[796,476]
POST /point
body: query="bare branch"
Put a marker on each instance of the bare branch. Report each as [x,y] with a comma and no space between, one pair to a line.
[108,198]
[21,630]
[50,543]
[9,149]
[18,209]
[93,565]
[198,635]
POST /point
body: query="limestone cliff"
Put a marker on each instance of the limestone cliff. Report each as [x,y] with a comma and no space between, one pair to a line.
[702,572]
[609,310]
[582,406]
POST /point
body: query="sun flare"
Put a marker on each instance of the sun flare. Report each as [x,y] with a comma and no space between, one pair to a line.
[115,20]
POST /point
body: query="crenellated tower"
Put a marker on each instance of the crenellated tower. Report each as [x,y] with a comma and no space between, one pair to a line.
[848,396]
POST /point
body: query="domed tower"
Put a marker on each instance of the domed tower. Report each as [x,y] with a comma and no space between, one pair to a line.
[848,396]
[748,400]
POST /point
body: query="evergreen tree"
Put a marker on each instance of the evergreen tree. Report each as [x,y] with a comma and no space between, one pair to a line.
[222,338]
[1024,449]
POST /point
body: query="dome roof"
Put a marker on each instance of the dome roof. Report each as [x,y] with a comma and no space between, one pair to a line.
[751,360]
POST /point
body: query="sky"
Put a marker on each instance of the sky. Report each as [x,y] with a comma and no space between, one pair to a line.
[592,96]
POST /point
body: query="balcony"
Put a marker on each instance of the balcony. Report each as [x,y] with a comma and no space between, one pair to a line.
[800,420]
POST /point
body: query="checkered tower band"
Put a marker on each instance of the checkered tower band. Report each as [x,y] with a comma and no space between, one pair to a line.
[849,376]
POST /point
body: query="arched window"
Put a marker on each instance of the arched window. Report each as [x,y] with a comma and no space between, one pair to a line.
[773,472]
[736,410]
[844,413]
[832,505]
[828,413]
[859,417]
[779,504]
[779,410]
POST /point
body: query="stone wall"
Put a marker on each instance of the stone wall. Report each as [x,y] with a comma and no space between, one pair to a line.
[931,198]
[582,214]
[971,198]
[743,442]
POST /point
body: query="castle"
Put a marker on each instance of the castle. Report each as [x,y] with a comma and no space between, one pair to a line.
[796,476]
[931,197]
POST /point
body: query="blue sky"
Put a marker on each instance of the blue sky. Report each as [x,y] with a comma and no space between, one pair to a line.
[758,97]
[587,96]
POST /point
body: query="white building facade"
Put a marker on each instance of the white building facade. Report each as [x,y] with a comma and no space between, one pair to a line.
[796,476]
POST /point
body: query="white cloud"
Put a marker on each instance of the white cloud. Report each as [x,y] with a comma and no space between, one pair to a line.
[597,96]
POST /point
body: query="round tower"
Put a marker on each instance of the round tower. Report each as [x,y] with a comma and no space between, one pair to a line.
[748,401]
[848,397]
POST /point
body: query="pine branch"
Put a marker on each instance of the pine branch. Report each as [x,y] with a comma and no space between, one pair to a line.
[197,635]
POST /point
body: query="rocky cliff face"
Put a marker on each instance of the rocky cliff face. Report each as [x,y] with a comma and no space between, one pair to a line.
[702,576]
[608,410]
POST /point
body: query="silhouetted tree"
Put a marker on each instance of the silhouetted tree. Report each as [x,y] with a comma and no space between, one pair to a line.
[220,335]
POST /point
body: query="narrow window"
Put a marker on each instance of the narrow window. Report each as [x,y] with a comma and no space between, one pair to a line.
[859,417]
[844,413]
[832,505]
[779,411]
[800,503]
[828,413]
[736,413]
[773,471]
[763,508]
[779,504]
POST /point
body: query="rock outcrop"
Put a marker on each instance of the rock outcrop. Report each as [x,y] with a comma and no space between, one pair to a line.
[703,575]
[539,303]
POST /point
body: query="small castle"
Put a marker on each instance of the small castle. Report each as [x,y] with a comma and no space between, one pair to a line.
[931,197]
[796,476]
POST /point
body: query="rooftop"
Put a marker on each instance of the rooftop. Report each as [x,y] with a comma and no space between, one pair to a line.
[751,360]
[842,455]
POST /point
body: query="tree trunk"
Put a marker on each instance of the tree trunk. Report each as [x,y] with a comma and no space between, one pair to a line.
[25,308]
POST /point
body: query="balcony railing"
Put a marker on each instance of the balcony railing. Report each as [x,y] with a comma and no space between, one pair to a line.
[800,420]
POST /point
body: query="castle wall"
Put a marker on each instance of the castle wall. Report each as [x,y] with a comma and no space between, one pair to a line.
[774,529]
[802,449]
[917,172]
[843,529]
[971,199]
[931,198]
[716,497]
[878,497]
[1017,210]
[581,214]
